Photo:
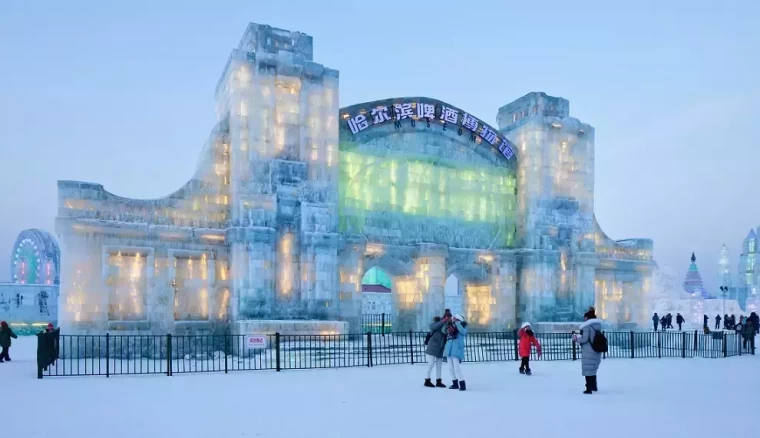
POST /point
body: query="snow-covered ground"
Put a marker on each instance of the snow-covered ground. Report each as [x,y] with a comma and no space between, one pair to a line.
[637,398]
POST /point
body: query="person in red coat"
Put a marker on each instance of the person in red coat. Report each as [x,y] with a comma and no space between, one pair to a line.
[527,339]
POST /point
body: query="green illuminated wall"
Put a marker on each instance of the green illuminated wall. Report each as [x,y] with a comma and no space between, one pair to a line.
[448,198]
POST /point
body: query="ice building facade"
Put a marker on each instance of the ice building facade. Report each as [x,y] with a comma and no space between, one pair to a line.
[295,199]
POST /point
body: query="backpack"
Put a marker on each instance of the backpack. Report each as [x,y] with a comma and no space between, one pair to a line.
[599,343]
[427,337]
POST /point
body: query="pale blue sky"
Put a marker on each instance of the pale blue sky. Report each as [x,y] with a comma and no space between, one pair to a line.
[123,95]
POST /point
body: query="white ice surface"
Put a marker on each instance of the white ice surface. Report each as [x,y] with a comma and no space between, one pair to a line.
[637,398]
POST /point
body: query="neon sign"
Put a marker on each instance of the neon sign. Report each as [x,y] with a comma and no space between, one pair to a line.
[425,111]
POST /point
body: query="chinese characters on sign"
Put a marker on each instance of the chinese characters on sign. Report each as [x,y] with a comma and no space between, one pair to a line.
[256,342]
[424,111]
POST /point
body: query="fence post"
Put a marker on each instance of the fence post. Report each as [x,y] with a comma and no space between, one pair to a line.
[740,345]
[39,359]
[575,349]
[382,323]
[696,344]
[683,345]
[633,345]
[517,346]
[659,345]
[725,350]
[277,351]
[411,346]
[108,355]
[169,354]
[226,350]
[369,348]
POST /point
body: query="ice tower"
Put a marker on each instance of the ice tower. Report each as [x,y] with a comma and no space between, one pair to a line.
[693,282]
[724,269]
[567,262]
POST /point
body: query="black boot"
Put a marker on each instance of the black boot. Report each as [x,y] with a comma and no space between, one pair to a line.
[522,371]
[589,385]
[455,385]
[439,384]
[462,386]
[594,388]
[429,384]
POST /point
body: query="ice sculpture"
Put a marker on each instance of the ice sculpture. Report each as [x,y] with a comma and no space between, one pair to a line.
[295,199]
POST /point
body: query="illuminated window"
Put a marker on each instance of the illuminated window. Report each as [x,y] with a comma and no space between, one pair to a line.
[752,245]
[191,287]
[127,285]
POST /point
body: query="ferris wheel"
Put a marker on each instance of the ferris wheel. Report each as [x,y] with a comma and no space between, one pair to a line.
[35,258]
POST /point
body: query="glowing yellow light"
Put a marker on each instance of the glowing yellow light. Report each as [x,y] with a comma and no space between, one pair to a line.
[285,260]
[212,237]
[374,250]
[485,258]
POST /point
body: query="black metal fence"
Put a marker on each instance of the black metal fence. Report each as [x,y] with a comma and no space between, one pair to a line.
[108,355]
[377,323]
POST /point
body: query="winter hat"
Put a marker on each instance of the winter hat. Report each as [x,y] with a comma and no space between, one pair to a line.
[459,317]
[4,324]
[50,326]
[525,324]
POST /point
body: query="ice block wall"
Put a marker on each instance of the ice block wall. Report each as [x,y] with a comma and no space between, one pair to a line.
[137,265]
[567,263]
[283,109]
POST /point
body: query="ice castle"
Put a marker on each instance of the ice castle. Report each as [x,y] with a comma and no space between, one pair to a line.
[295,199]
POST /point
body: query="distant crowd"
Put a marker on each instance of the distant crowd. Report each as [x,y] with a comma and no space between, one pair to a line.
[748,326]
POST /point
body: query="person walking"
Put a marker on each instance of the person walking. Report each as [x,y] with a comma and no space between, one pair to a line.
[655,320]
[679,321]
[456,331]
[755,321]
[706,320]
[5,341]
[590,359]
[717,322]
[748,333]
[435,342]
[670,320]
[527,340]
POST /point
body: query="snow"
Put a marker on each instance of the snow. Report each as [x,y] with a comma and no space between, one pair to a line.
[637,398]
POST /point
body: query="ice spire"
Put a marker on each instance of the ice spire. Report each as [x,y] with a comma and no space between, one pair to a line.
[693,282]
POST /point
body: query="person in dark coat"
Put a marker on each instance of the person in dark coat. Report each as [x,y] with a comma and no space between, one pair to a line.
[5,341]
[679,321]
[655,320]
[669,318]
[590,359]
[664,323]
[748,333]
[755,321]
[717,322]
[725,321]
[733,322]
[706,320]
[435,342]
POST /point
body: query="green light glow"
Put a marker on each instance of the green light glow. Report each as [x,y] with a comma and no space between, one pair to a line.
[377,276]
[423,188]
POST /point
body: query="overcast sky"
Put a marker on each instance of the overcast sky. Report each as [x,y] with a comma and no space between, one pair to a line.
[123,95]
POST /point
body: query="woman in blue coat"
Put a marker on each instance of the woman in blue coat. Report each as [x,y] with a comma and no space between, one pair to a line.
[456,331]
